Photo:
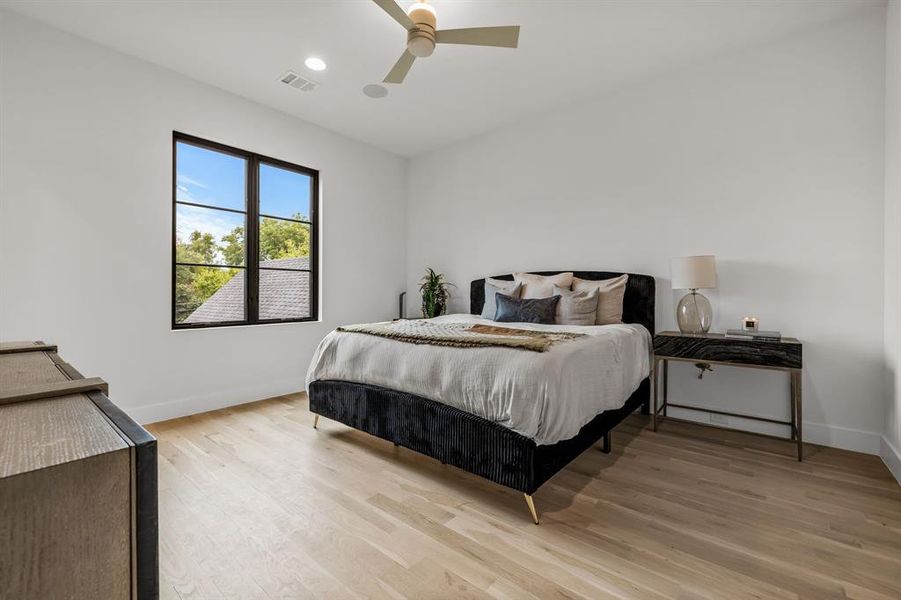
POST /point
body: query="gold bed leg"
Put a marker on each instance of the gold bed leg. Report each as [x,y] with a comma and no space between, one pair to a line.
[531,508]
[315,421]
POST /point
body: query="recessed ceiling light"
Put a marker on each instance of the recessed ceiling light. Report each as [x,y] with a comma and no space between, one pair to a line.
[374,90]
[314,63]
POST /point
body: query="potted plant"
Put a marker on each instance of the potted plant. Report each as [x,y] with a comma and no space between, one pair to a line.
[434,289]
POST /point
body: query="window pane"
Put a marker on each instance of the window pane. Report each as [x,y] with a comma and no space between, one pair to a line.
[208,177]
[284,193]
[284,239]
[208,236]
[284,294]
[208,294]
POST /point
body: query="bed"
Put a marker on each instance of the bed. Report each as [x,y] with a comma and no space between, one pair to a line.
[503,448]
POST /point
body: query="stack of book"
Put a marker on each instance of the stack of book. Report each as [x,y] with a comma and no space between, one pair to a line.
[761,336]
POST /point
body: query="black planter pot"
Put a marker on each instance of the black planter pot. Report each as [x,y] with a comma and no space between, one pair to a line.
[440,309]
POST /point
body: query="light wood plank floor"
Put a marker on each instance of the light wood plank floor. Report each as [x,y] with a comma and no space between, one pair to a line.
[255,503]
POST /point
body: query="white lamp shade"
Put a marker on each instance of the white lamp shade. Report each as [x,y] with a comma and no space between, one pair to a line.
[693,272]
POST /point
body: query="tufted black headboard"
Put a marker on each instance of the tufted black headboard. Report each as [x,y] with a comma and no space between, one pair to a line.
[638,303]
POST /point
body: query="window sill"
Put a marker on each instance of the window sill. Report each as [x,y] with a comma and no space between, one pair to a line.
[244,325]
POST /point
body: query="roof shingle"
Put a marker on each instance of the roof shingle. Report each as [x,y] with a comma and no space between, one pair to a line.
[283,294]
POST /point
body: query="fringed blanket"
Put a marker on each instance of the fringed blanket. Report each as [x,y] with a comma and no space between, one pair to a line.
[463,335]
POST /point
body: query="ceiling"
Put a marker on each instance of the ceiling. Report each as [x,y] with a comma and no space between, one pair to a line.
[569,50]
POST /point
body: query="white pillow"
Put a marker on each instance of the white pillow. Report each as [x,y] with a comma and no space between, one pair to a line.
[610,300]
[492,288]
[576,308]
[542,286]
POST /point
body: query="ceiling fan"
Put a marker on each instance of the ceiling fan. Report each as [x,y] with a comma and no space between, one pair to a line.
[421,20]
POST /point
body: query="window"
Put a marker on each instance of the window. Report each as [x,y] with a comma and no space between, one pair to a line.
[244,235]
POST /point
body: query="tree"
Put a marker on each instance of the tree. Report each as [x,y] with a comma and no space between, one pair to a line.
[284,239]
[208,280]
[233,250]
[204,245]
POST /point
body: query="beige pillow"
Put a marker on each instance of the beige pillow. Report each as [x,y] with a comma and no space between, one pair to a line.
[610,301]
[576,308]
[542,286]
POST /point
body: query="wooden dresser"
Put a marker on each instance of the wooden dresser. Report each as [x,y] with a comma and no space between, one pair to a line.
[78,485]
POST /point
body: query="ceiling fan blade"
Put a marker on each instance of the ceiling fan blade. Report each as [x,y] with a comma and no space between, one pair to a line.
[505,37]
[400,68]
[396,12]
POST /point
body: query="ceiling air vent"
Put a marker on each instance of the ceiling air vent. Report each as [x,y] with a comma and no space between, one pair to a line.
[296,81]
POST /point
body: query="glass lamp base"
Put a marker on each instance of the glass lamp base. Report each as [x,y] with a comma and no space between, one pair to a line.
[693,313]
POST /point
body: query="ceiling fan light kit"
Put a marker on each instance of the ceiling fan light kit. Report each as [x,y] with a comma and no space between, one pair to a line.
[421,39]
[421,22]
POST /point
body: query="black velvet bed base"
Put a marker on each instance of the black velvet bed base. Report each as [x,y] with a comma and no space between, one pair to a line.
[458,438]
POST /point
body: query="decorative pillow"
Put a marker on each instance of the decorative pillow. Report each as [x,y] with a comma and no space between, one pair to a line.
[610,300]
[492,287]
[542,286]
[534,310]
[576,308]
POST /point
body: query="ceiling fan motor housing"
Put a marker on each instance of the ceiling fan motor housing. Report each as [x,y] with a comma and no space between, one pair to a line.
[421,39]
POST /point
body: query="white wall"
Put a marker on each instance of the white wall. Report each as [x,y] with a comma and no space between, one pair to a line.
[891,441]
[771,159]
[85,223]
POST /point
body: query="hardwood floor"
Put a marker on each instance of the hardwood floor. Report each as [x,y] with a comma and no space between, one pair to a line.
[255,503]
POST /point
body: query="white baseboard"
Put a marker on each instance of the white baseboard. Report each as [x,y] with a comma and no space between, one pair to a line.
[835,436]
[891,457]
[192,405]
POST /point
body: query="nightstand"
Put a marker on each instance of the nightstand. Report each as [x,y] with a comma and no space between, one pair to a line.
[715,348]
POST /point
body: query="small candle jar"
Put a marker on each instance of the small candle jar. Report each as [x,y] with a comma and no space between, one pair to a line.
[749,324]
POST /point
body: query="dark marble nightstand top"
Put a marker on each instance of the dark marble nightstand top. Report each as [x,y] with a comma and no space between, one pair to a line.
[716,347]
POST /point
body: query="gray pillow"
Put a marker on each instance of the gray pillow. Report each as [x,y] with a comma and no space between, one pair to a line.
[528,310]
[492,287]
[577,308]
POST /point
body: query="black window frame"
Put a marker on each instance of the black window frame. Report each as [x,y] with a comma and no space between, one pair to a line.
[251,232]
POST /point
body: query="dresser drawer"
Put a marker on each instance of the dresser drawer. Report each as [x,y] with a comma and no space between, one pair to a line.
[784,354]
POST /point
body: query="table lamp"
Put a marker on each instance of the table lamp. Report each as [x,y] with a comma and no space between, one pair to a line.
[694,273]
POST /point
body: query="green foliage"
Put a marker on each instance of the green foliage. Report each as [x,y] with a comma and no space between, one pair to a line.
[194,285]
[283,239]
[233,250]
[201,248]
[208,280]
[186,297]
[435,292]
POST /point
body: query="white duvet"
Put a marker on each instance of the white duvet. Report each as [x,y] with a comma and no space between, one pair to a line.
[547,396]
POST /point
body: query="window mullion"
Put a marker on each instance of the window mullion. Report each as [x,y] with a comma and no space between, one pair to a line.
[252,241]
[314,246]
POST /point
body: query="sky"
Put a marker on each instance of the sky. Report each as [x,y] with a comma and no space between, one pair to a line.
[217,179]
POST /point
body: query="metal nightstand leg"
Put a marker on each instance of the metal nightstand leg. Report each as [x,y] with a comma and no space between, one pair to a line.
[665,384]
[793,406]
[654,394]
[797,413]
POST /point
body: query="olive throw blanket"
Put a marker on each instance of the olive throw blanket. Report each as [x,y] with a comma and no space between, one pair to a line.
[463,335]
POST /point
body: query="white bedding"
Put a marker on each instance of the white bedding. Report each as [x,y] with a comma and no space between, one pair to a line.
[547,396]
